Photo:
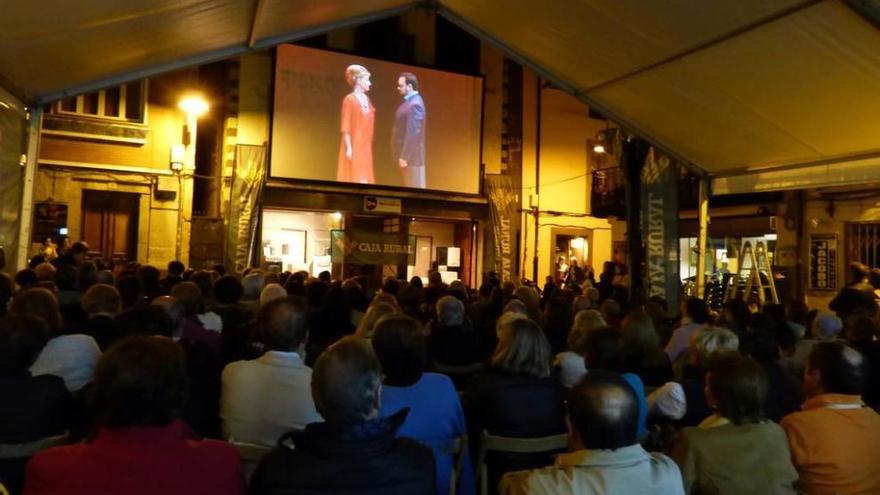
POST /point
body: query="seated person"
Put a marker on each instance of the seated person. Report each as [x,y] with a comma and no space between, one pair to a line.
[190,296]
[452,339]
[265,398]
[684,401]
[354,450]
[140,446]
[435,416]
[606,458]
[102,303]
[571,362]
[34,407]
[516,396]
[719,455]
[834,438]
[72,357]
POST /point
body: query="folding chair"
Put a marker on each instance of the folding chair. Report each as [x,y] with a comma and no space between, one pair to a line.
[515,446]
[457,448]
[250,455]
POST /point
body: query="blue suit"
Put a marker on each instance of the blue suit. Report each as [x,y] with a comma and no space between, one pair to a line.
[408,140]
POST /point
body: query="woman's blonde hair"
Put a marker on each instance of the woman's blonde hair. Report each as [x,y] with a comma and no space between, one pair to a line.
[368,323]
[355,72]
[522,349]
[584,321]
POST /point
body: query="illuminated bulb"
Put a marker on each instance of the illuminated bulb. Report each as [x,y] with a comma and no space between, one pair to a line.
[194,105]
[599,148]
[337,216]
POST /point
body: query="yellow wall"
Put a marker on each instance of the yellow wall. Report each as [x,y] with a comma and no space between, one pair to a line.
[564,177]
[818,221]
[70,165]
[254,98]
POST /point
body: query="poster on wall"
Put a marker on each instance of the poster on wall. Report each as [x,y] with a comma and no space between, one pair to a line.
[823,262]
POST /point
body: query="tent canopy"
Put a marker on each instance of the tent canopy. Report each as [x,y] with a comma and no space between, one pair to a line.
[729,86]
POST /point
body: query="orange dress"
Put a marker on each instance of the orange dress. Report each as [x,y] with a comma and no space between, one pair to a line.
[359,126]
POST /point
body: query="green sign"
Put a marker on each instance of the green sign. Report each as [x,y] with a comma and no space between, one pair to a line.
[372,248]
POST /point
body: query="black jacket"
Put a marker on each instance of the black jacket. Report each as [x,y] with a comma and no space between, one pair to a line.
[365,458]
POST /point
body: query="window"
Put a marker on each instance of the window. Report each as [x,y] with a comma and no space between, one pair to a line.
[864,243]
[124,103]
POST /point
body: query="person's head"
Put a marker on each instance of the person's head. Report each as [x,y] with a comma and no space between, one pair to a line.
[696,309]
[174,310]
[522,349]
[611,310]
[45,272]
[227,290]
[129,288]
[87,275]
[203,279]
[190,296]
[252,285]
[26,278]
[347,381]
[271,292]
[390,286]
[450,311]
[140,381]
[737,311]
[762,342]
[708,340]
[858,272]
[21,340]
[102,299]
[639,334]
[529,296]
[175,268]
[105,277]
[874,278]
[283,324]
[78,252]
[603,412]
[515,306]
[826,327]
[367,326]
[834,368]
[400,345]
[40,303]
[584,322]
[65,277]
[603,349]
[149,278]
[407,83]
[736,388]
[860,327]
[357,76]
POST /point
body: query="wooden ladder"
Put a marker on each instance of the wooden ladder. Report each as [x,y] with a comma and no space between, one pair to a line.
[758,263]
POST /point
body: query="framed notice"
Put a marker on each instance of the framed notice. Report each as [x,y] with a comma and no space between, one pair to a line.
[823,262]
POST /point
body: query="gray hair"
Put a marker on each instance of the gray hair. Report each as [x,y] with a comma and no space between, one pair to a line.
[584,321]
[710,340]
[450,311]
[252,285]
[346,381]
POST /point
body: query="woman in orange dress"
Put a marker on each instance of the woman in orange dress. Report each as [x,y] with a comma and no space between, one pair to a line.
[358,117]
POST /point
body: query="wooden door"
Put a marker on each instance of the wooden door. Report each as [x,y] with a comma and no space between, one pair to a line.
[109,225]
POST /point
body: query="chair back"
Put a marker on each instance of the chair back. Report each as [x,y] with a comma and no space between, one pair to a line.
[25,450]
[457,448]
[250,455]
[516,446]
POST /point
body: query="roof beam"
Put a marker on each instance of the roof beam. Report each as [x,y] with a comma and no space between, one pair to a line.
[570,89]
[252,35]
[707,44]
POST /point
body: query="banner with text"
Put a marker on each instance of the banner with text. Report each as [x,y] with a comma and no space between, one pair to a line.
[660,226]
[247,185]
[372,248]
[504,211]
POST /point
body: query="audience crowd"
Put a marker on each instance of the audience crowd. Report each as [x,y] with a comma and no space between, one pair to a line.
[152,381]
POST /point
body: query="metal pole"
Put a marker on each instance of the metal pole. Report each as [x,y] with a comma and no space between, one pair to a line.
[703,215]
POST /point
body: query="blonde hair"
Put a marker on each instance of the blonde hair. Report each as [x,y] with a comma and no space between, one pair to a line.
[355,72]
[584,321]
[367,325]
[523,349]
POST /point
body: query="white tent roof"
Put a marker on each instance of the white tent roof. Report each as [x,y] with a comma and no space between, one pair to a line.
[729,86]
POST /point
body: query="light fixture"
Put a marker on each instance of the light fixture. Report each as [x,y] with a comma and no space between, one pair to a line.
[194,105]
[337,216]
[599,148]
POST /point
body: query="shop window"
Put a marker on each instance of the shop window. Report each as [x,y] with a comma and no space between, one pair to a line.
[126,103]
[864,243]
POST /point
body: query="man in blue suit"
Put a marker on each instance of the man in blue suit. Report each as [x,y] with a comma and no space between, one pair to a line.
[408,133]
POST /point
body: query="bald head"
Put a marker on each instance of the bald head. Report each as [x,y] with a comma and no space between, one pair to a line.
[603,410]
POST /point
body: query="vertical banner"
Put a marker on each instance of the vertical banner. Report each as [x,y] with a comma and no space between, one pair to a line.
[13,145]
[504,210]
[247,186]
[660,226]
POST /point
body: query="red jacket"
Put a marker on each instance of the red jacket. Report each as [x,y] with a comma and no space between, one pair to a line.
[133,461]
